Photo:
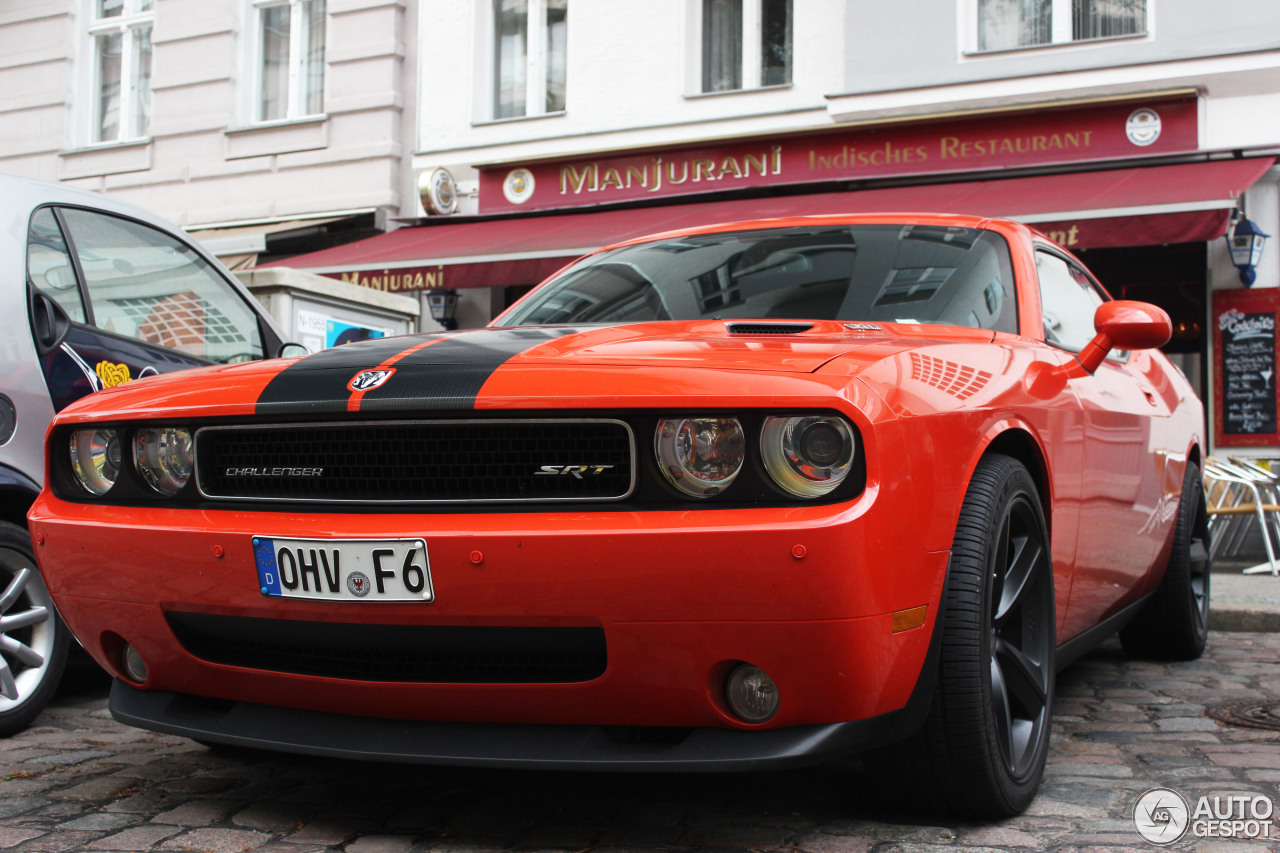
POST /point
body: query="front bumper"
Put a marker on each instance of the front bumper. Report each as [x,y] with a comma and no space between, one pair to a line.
[807,594]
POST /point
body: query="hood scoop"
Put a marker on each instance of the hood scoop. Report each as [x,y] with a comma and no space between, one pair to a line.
[769,328]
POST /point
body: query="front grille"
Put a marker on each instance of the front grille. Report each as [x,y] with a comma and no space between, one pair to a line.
[402,653]
[418,461]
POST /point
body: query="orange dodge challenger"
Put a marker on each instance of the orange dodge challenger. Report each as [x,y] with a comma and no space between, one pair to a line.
[742,496]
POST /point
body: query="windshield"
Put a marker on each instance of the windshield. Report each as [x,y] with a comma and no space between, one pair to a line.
[870,273]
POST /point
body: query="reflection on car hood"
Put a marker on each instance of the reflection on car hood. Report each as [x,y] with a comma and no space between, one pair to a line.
[758,346]
[537,363]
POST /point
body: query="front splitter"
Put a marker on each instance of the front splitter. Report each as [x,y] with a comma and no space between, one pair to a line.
[545,747]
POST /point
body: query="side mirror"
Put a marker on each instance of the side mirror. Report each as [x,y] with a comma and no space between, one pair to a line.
[1124,324]
[292,350]
[49,322]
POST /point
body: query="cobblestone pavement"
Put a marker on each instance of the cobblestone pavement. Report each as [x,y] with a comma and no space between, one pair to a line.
[78,781]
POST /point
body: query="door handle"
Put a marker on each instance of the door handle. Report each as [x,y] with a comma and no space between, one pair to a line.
[49,322]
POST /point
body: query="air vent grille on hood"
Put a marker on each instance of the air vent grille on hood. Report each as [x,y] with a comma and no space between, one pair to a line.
[769,328]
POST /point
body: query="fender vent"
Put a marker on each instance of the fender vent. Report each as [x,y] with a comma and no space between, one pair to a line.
[769,328]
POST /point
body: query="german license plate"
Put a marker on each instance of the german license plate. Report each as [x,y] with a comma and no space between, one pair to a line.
[344,569]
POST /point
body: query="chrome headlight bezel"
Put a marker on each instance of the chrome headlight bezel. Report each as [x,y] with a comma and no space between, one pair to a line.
[164,458]
[808,456]
[700,456]
[96,459]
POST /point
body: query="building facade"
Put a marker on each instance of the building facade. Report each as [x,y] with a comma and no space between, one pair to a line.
[267,126]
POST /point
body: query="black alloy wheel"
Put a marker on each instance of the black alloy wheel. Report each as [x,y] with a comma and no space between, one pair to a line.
[1021,650]
[982,749]
[1174,623]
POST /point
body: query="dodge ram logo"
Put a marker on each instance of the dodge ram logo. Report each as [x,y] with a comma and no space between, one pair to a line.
[366,380]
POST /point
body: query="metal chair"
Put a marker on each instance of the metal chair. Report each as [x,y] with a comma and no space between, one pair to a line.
[1236,492]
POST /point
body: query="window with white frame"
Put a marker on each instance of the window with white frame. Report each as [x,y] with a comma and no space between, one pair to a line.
[746,44]
[289,59]
[529,57]
[120,31]
[1012,24]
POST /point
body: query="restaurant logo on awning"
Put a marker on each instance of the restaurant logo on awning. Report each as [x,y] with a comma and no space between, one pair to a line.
[395,281]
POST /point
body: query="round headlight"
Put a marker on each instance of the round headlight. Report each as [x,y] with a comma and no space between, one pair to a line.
[95,459]
[700,456]
[807,456]
[162,456]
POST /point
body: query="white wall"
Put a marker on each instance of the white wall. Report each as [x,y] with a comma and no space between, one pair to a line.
[630,82]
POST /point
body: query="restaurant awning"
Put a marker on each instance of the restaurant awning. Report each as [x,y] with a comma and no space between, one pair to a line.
[238,246]
[1151,205]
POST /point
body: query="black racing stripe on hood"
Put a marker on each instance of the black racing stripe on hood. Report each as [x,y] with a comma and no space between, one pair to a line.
[318,382]
[446,375]
[449,374]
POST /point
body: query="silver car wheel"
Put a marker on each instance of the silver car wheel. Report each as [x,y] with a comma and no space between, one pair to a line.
[27,629]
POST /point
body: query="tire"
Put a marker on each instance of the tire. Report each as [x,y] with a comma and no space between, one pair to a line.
[1174,624]
[33,639]
[981,751]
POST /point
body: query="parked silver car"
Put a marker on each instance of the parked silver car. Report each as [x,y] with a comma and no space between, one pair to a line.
[97,293]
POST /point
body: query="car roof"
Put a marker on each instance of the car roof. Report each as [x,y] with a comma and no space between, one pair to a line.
[22,195]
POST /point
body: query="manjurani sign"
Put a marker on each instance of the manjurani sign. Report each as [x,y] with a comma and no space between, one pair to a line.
[395,280]
[1108,131]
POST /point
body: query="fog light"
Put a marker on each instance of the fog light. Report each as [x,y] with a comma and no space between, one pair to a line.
[134,666]
[751,693]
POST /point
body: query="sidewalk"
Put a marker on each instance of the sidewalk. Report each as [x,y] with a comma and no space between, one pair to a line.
[1240,602]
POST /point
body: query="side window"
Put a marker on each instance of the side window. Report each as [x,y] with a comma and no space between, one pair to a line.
[145,284]
[1068,301]
[49,264]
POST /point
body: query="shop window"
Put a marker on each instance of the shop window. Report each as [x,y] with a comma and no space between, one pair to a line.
[530,41]
[1171,276]
[746,44]
[1012,24]
[289,59]
[120,34]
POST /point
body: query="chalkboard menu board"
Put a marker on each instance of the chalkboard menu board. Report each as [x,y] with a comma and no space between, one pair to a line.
[1244,328]
[1248,373]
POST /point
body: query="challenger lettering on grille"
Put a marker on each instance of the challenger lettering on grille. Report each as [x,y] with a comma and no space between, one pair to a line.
[274,472]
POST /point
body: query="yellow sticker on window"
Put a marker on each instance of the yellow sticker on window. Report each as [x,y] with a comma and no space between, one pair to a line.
[112,374]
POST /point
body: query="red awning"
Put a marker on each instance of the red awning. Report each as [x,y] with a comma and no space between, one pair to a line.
[1181,203]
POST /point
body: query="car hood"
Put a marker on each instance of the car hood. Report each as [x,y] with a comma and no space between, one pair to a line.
[534,365]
